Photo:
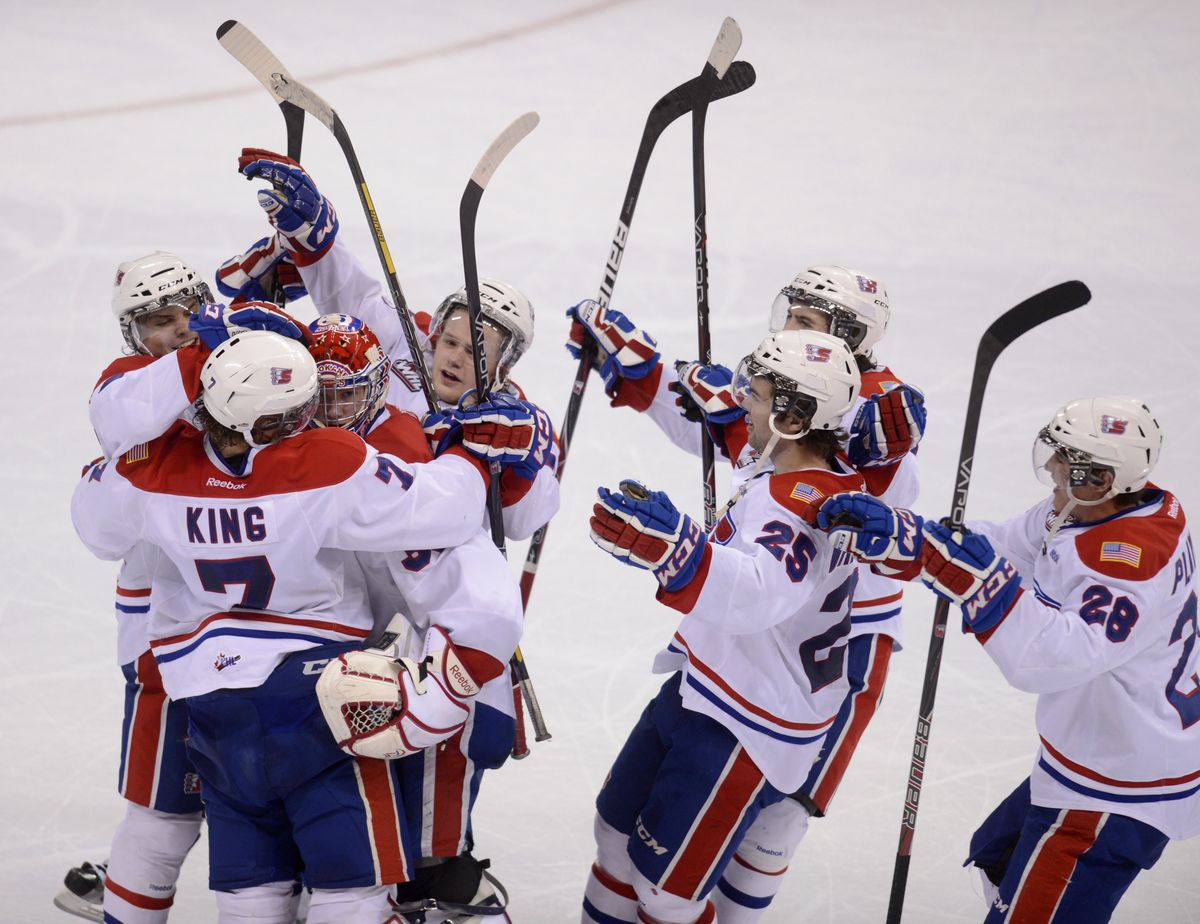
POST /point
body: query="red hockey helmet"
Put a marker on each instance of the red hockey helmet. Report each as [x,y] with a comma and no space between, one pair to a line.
[353,370]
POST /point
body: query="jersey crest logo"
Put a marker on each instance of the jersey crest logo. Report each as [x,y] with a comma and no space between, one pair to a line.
[407,373]
[807,493]
[280,376]
[1121,551]
[191,784]
[138,453]
[1112,424]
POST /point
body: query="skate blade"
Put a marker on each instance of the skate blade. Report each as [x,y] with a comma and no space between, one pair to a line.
[72,904]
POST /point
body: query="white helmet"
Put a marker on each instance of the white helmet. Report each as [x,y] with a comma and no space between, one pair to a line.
[857,304]
[1116,433]
[152,282]
[505,306]
[259,374]
[813,375]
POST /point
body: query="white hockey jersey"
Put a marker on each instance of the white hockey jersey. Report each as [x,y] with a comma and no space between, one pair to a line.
[762,642]
[1105,634]
[877,600]
[338,284]
[248,566]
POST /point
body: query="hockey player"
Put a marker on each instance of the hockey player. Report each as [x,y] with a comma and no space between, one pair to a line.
[307,225]
[432,589]
[236,526]
[153,298]
[757,662]
[884,425]
[1088,600]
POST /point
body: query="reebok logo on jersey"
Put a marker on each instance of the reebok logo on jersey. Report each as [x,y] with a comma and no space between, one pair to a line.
[222,483]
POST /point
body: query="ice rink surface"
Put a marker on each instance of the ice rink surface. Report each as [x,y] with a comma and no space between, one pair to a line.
[970,154]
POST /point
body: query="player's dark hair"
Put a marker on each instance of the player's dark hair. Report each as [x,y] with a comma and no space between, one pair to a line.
[865,363]
[825,443]
[223,438]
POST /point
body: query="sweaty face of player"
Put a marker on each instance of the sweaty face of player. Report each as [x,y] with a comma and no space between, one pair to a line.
[166,330]
[453,372]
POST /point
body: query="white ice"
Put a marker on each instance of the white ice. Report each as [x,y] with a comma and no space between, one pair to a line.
[970,154]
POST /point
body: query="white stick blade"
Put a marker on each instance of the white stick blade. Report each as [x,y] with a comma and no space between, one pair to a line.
[291,90]
[253,55]
[729,40]
[498,150]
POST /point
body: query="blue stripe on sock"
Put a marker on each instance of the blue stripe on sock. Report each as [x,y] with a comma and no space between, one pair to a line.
[740,897]
[595,914]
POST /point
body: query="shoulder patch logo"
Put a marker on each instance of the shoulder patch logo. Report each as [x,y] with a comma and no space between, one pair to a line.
[138,453]
[807,493]
[1121,551]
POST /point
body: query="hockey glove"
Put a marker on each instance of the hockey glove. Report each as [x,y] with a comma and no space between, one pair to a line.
[251,276]
[889,539]
[643,529]
[627,352]
[386,708]
[510,431]
[887,427]
[297,210]
[442,429]
[214,324]
[706,393]
[964,568]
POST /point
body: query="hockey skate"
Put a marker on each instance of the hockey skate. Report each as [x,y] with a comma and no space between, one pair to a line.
[459,891]
[84,892]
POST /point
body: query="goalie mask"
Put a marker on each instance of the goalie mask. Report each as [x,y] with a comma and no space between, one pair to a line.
[151,283]
[505,308]
[352,369]
[812,375]
[262,385]
[1094,436]
[855,303]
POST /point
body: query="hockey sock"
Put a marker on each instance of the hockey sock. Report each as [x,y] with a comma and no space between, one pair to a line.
[148,848]
[755,874]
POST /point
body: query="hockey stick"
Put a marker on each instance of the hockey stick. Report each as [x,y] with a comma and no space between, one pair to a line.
[670,107]
[468,212]
[729,40]
[292,90]
[1055,301]
[252,54]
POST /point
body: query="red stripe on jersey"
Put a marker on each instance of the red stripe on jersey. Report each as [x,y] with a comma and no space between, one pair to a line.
[1100,778]
[716,679]
[450,796]
[612,883]
[132,591]
[711,833]
[1048,872]
[145,733]
[383,818]
[248,616]
[862,709]
[137,899]
[878,601]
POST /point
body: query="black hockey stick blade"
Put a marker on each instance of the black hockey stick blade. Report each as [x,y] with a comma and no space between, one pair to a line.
[1038,309]
[249,51]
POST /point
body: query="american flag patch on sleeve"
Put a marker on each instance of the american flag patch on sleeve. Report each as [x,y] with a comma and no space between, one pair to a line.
[138,453]
[807,493]
[1121,551]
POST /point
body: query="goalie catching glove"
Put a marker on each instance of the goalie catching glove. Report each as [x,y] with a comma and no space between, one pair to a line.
[384,707]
